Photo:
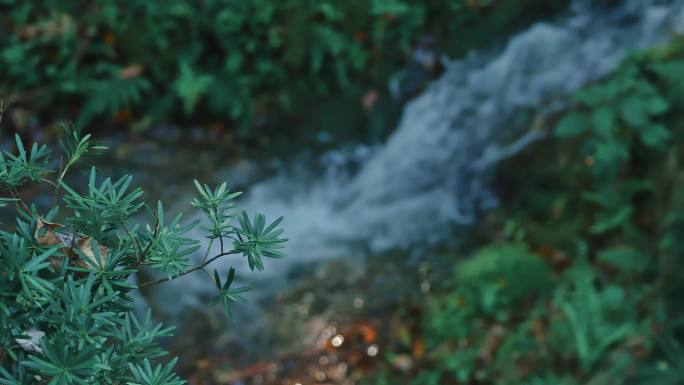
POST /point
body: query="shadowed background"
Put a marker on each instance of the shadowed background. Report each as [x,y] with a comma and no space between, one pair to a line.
[481,191]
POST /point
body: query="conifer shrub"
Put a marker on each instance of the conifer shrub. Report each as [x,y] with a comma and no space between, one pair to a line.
[67,275]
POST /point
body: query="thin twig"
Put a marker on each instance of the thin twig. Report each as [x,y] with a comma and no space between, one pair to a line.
[198,267]
[141,257]
[3,108]
[58,185]
[220,236]
[17,196]
[136,245]
[48,181]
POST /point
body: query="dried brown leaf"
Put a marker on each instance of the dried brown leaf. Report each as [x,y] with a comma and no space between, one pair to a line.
[85,246]
[132,71]
[46,235]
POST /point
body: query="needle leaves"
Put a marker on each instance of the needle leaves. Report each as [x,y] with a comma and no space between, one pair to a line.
[226,295]
[256,241]
[68,284]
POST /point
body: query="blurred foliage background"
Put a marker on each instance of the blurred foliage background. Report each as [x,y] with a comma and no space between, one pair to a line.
[576,278]
[277,69]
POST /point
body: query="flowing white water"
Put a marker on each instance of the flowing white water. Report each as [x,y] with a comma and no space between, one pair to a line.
[434,170]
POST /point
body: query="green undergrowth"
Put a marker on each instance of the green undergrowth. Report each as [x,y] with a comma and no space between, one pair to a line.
[580,280]
[253,67]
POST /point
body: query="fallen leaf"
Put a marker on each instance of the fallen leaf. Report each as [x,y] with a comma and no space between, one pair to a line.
[418,348]
[202,364]
[132,71]
[110,38]
[45,234]
[368,333]
[369,100]
[85,246]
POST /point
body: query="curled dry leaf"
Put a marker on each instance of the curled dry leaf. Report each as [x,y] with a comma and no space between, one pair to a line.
[85,246]
[46,235]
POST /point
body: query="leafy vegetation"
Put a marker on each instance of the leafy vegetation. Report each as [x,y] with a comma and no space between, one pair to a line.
[581,281]
[66,315]
[576,279]
[247,63]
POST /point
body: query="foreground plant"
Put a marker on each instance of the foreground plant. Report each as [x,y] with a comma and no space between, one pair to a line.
[66,277]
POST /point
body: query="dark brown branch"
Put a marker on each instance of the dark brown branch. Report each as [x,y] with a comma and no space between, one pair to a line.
[51,183]
[136,245]
[58,185]
[3,108]
[198,267]
[17,196]
[141,258]
[220,236]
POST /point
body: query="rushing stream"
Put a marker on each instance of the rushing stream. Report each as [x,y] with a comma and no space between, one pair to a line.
[434,171]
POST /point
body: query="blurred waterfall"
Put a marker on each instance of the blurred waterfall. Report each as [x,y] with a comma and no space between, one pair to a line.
[434,170]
